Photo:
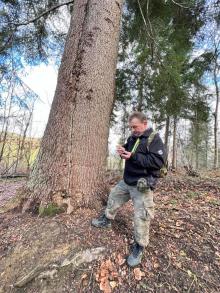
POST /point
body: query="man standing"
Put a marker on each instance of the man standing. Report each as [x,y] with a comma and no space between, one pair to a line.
[144,156]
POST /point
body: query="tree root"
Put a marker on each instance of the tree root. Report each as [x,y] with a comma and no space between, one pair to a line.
[49,270]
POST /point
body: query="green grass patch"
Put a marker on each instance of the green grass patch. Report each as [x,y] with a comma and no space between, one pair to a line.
[173,201]
[193,194]
[50,210]
[215,202]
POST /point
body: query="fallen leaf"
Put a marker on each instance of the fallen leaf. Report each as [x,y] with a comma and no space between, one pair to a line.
[97,277]
[156,265]
[103,272]
[109,265]
[105,286]
[178,223]
[138,274]
[179,265]
[84,276]
[114,274]
[113,284]
[182,253]
[120,260]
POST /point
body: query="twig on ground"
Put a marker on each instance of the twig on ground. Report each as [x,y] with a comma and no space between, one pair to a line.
[177,228]
[191,284]
[91,276]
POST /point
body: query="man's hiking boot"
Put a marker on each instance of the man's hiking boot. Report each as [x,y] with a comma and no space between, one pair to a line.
[135,257]
[101,222]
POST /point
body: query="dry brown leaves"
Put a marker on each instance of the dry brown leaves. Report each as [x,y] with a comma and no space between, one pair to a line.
[107,276]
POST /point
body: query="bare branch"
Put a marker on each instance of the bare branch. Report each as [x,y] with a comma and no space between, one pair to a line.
[148,19]
[42,14]
[145,23]
[8,41]
[150,34]
[179,4]
[16,25]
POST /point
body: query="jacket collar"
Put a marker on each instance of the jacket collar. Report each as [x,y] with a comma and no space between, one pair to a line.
[147,132]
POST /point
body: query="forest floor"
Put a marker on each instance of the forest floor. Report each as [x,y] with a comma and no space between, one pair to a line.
[183,254]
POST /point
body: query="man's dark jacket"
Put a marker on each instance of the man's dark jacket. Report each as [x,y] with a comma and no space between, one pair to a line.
[147,161]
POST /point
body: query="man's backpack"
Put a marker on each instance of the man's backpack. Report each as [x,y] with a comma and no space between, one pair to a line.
[164,168]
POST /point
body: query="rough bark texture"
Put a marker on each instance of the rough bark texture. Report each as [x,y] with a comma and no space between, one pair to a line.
[72,156]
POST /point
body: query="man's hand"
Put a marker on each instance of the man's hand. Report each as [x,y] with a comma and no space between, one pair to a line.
[123,153]
[126,155]
[120,149]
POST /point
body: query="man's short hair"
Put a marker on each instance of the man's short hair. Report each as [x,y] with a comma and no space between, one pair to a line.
[139,115]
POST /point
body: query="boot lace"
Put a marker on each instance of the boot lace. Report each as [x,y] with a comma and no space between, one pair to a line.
[136,250]
[103,218]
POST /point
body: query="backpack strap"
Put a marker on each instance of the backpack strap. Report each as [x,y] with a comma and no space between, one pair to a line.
[149,141]
[151,138]
[135,146]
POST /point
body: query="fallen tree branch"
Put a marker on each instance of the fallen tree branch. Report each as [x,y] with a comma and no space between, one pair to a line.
[14,176]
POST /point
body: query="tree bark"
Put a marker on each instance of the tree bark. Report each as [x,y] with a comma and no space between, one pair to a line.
[72,156]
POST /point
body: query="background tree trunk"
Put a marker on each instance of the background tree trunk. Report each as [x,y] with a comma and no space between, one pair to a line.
[167,133]
[206,153]
[216,159]
[197,156]
[22,138]
[6,121]
[140,97]
[72,155]
[174,165]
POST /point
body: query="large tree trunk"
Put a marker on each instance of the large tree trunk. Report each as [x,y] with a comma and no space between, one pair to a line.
[72,156]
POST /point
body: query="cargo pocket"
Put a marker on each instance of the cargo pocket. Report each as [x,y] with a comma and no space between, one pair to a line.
[110,204]
[149,204]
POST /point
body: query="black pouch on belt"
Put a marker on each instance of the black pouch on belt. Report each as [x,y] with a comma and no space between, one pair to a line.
[142,185]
